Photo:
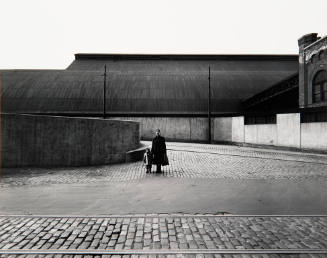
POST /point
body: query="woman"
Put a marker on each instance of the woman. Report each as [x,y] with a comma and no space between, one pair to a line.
[159,151]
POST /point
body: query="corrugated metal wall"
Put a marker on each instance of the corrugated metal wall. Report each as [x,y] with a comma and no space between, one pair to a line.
[141,86]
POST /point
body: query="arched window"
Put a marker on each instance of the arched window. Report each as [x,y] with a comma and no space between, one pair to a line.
[319,87]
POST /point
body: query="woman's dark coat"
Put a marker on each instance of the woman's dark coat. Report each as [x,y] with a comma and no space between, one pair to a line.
[159,150]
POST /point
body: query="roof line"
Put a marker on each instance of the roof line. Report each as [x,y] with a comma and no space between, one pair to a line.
[103,56]
[314,43]
[274,90]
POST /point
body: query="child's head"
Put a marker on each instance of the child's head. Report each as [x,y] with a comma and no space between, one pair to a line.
[147,150]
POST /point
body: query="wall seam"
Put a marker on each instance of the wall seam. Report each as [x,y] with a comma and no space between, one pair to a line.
[277,142]
[243,129]
[190,128]
[300,131]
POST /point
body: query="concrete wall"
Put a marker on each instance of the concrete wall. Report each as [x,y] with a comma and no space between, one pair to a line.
[261,134]
[223,129]
[288,130]
[62,141]
[238,129]
[173,128]
[228,129]
[314,136]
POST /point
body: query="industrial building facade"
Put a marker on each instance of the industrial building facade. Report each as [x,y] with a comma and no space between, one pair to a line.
[170,92]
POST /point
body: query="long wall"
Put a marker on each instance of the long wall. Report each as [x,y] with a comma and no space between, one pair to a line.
[193,129]
[29,140]
[314,136]
[173,128]
[287,132]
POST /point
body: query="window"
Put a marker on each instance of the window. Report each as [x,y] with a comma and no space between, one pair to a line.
[312,117]
[319,87]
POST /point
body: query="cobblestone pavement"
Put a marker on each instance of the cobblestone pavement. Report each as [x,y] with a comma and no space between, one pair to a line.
[172,232]
[163,232]
[174,256]
[186,161]
[248,152]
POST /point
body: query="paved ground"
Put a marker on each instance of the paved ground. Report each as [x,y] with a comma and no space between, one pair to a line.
[175,256]
[200,179]
[178,256]
[187,161]
[159,233]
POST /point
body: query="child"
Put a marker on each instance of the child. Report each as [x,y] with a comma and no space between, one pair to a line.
[147,160]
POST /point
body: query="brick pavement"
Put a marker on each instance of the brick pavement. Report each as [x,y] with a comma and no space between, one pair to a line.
[163,232]
[186,161]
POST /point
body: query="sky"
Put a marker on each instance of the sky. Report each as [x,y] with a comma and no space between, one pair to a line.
[45,34]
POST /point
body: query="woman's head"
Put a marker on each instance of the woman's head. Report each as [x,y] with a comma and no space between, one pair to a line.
[158,132]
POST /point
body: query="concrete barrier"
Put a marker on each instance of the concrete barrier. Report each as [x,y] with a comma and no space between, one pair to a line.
[222,129]
[265,134]
[288,130]
[193,129]
[314,136]
[29,140]
[228,129]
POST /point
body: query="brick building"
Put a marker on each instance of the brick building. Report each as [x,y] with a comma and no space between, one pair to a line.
[303,94]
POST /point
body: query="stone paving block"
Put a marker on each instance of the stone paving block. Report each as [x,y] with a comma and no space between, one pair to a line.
[138,245]
[156,238]
[118,226]
[114,236]
[138,239]
[139,233]
[147,242]
[121,239]
[112,243]
[119,246]
[232,232]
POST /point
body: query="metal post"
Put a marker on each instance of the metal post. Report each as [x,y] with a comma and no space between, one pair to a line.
[104,91]
[209,109]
